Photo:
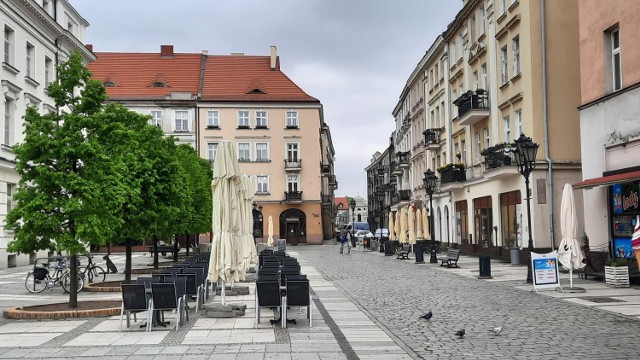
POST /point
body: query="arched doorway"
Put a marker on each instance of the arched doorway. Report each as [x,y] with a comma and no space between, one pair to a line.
[293,226]
[446,216]
[258,224]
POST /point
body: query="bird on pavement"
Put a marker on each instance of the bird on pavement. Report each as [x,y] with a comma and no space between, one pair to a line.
[427,316]
[496,330]
[460,333]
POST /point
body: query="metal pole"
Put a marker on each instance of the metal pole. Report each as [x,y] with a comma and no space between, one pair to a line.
[530,245]
[433,259]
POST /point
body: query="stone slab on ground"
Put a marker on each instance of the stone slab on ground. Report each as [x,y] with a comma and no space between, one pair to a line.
[217,310]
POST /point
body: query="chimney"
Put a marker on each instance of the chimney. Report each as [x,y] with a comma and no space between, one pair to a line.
[205,52]
[274,57]
[166,50]
[89,47]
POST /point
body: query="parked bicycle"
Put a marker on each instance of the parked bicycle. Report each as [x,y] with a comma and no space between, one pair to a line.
[42,278]
[91,272]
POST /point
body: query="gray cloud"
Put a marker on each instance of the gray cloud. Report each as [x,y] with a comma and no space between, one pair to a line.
[353,55]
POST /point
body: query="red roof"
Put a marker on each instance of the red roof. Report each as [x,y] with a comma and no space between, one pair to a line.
[341,201]
[226,77]
[134,74]
[248,78]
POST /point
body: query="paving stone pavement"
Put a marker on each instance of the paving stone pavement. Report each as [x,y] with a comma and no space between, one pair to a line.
[367,306]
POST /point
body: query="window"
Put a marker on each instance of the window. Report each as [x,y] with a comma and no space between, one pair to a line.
[462,228]
[11,190]
[292,152]
[262,182]
[292,119]
[181,121]
[29,60]
[261,119]
[477,152]
[156,118]
[487,140]
[481,20]
[437,120]
[484,76]
[262,152]
[460,45]
[437,78]
[213,119]
[502,7]
[212,149]
[507,129]
[293,182]
[454,96]
[475,80]
[243,119]
[48,71]
[9,106]
[508,218]
[616,60]
[453,51]
[518,122]
[472,27]
[463,147]
[244,152]
[503,60]
[516,55]
[8,45]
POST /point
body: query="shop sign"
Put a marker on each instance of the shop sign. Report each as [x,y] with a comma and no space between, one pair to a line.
[545,270]
[625,198]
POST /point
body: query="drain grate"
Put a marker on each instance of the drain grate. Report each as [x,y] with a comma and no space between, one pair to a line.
[601,300]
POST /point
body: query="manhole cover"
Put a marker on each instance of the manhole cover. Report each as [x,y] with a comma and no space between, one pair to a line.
[601,300]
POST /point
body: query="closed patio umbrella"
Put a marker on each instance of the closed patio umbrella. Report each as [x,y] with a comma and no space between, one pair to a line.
[270,232]
[419,234]
[392,229]
[425,225]
[248,254]
[411,224]
[402,236]
[569,252]
[397,220]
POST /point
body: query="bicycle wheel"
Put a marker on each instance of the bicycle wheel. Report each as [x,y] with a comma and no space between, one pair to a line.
[98,274]
[34,285]
[85,274]
[66,284]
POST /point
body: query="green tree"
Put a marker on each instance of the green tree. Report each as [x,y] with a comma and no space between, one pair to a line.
[70,189]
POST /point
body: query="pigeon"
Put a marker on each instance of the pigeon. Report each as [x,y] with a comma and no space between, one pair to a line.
[460,333]
[427,316]
[496,330]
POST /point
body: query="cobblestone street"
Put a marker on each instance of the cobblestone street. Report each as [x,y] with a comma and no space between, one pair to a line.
[396,293]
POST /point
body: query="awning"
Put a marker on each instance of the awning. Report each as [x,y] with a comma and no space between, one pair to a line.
[608,180]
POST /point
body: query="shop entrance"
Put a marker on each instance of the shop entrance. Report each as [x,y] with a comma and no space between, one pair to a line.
[293,226]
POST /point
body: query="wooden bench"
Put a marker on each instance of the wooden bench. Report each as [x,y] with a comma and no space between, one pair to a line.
[163,249]
[451,259]
[404,253]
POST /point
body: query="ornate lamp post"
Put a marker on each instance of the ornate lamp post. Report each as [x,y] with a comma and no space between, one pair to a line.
[430,183]
[381,197]
[352,205]
[525,154]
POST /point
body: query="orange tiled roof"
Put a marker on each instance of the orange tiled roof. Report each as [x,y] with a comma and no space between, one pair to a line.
[248,78]
[134,74]
[341,201]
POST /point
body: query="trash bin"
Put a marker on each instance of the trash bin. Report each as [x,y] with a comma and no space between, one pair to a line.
[389,248]
[485,267]
[515,256]
[419,252]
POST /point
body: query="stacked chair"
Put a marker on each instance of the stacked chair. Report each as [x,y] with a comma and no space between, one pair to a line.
[279,285]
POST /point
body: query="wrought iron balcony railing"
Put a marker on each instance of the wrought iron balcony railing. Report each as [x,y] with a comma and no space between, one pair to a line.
[405,195]
[293,196]
[403,158]
[498,155]
[293,165]
[452,173]
[478,100]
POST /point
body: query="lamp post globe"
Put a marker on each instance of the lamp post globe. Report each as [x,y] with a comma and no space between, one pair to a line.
[525,154]
[430,182]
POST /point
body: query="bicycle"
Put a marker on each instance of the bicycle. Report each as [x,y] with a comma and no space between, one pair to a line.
[40,278]
[91,271]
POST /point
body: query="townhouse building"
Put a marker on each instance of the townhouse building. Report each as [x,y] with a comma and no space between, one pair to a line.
[502,68]
[37,36]
[202,99]
[609,126]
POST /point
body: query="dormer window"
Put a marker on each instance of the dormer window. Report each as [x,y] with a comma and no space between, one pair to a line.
[109,84]
[158,84]
[256,91]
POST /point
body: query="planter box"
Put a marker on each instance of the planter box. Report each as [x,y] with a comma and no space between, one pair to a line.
[617,276]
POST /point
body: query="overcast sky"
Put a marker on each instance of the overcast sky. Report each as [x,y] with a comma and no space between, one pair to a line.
[353,55]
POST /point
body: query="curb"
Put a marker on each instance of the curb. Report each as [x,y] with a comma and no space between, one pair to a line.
[22,313]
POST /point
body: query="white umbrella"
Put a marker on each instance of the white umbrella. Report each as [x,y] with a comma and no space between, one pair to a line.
[402,236]
[392,229]
[270,232]
[224,186]
[569,253]
[248,253]
[425,225]
[411,220]
[419,231]
[397,224]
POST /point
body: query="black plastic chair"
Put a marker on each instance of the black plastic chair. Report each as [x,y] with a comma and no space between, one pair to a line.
[181,291]
[199,273]
[192,288]
[298,295]
[146,281]
[265,276]
[134,300]
[268,295]
[164,298]
[289,277]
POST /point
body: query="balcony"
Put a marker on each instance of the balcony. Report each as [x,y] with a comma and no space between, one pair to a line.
[472,107]
[293,165]
[498,160]
[293,196]
[405,195]
[403,159]
[452,173]
[324,168]
[333,183]
[327,199]
[432,138]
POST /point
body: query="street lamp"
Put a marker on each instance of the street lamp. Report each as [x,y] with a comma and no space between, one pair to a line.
[525,154]
[381,197]
[352,205]
[430,183]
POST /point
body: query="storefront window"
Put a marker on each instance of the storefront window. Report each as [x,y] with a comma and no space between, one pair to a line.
[509,205]
[483,221]
[462,229]
[624,209]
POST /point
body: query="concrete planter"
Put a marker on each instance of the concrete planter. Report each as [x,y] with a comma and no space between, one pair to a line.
[616,276]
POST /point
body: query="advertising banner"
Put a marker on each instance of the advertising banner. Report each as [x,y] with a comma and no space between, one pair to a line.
[545,271]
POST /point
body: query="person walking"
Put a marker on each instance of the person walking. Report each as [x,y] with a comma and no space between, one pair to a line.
[344,240]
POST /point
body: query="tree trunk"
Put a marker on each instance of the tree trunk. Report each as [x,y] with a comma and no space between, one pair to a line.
[188,243]
[109,248]
[127,264]
[155,252]
[175,249]
[73,283]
